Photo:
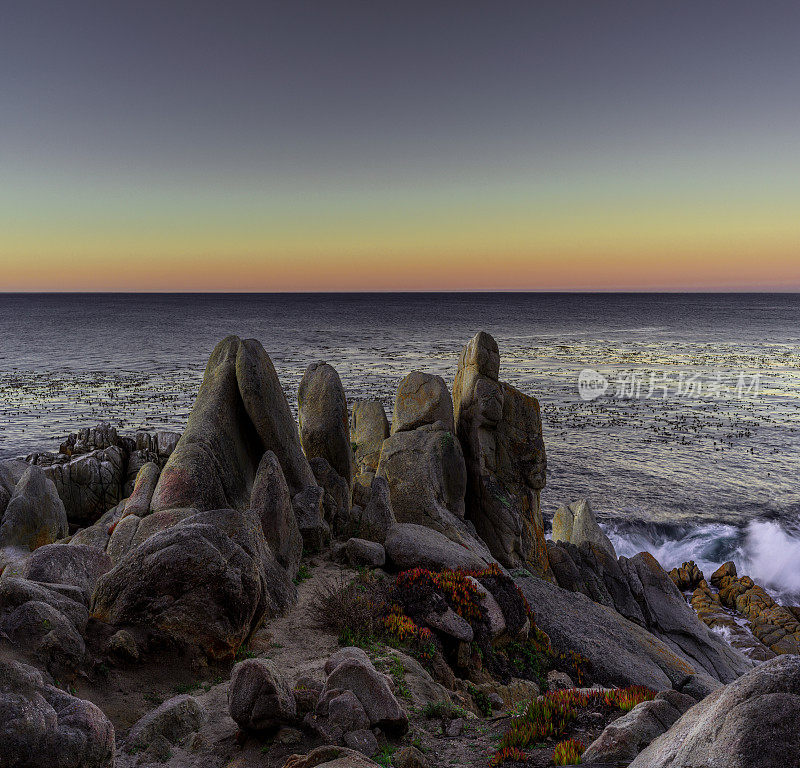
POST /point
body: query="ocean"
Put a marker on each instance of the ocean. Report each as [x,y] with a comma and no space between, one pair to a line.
[691,451]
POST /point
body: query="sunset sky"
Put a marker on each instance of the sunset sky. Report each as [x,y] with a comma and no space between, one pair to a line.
[265,146]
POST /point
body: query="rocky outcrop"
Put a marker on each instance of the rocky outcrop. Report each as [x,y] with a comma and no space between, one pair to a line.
[619,652]
[336,500]
[750,723]
[309,513]
[322,411]
[377,517]
[146,480]
[422,398]
[670,618]
[500,430]
[271,501]
[576,523]
[776,627]
[42,726]
[208,580]
[240,412]
[34,515]
[368,429]
[687,577]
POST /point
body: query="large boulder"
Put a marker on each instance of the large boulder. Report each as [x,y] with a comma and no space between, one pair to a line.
[34,515]
[173,720]
[669,617]
[376,518]
[240,412]
[322,411]
[576,523]
[78,566]
[259,697]
[415,546]
[422,398]
[42,726]
[619,652]
[372,690]
[427,479]
[368,429]
[208,580]
[272,502]
[500,430]
[753,722]
[308,508]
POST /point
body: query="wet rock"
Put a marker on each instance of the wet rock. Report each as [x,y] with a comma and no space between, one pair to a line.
[750,722]
[368,429]
[272,502]
[411,546]
[422,398]
[42,726]
[259,697]
[173,720]
[500,430]
[77,566]
[726,569]
[143,489]
[34,515]
[687,577]
[308,512]
[322,412]
[240,412]
[208,580]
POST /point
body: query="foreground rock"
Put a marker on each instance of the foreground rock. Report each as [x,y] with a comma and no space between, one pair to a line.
[422,398]
[173,720]
[500,430]
[42,726]
[259,698]
[576,523]
[240,412]
[208,580]
[753,722]
[412,546]
[628,735]
[77,566]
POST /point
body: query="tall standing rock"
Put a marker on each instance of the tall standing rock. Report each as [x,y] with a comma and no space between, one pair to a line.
[368,429]
[322,408]
[240,412]
[500,430]
[422,398]
[272,502]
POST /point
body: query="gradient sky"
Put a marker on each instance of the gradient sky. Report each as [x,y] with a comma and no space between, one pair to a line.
[264,146]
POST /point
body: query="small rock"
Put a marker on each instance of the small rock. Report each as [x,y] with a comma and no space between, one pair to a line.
[495,700]
[173,720]
[289,737]
[558,681]
[409,757]
[363,741]
[346,712]
[363,552]
[123,644]
[454,727]
[259,697]
[451,624]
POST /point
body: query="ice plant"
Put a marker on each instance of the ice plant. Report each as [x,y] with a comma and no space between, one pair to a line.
[568,752]
[507,753]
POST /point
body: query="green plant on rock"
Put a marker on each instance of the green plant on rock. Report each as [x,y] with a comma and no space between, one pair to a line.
[384,756]
[443,710]
[481,700]
[303,574]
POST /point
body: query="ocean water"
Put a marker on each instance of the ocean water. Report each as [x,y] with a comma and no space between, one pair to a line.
[707,466]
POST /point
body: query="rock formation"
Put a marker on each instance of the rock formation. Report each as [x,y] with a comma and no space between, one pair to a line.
[240,412]
[500,430]
[322,411]
[576,523]
[368,429]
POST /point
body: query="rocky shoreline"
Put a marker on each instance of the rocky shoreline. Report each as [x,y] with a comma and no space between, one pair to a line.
[343,590]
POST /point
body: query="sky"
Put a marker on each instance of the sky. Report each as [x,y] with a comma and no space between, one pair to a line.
[313,146]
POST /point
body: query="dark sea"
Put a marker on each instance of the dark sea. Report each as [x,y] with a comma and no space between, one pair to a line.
[691,451]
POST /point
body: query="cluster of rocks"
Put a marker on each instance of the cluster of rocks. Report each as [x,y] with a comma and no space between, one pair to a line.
[745,613]
[196,541]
